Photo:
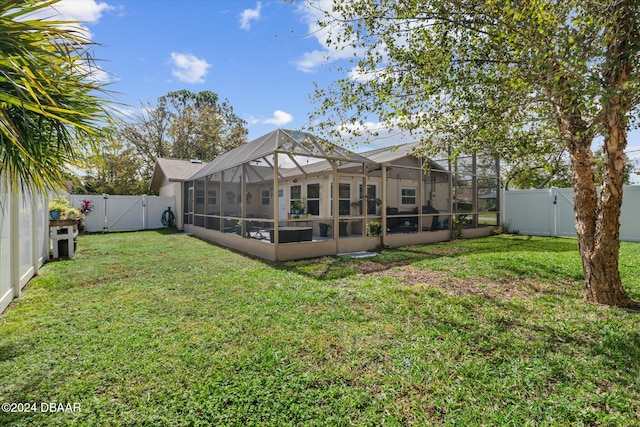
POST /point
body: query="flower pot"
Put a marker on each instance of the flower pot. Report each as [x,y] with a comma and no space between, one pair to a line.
[324,230]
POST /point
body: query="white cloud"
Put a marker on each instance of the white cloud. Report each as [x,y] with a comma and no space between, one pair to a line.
[310,61]
[249,15]
[87,11]
[81,11]
[312,12]
[188,68]
[279,118]
[94,73]
[252,120]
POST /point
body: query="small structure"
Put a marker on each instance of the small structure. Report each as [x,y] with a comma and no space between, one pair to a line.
[271,197]
[63,234]
[168,178]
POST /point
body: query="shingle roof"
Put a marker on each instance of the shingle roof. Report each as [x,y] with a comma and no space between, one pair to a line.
[173,170]
[389,154]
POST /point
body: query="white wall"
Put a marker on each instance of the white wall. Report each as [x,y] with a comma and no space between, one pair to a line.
[175,190]
[549,212]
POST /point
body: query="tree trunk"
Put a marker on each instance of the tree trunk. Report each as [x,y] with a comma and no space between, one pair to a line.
[604,286]
[598,216]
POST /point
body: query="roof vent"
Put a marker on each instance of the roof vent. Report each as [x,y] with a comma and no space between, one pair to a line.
[198,161]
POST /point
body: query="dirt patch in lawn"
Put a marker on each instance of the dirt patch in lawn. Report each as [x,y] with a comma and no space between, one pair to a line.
[507,289]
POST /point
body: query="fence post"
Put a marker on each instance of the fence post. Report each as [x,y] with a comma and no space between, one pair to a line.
[35,235]
[144,211]
[14,238]
[503,206]
[553,197]
[105,226]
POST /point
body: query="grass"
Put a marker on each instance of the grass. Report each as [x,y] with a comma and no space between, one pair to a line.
[155,328]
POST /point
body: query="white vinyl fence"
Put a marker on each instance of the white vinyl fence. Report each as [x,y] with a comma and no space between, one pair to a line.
[123,213]
[549,212]
[24,241]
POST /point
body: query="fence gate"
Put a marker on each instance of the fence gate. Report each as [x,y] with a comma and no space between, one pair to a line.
[125,213]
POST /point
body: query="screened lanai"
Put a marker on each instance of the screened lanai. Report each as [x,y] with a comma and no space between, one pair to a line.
[290,195]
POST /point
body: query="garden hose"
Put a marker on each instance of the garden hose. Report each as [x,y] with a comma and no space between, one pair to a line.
[168,218]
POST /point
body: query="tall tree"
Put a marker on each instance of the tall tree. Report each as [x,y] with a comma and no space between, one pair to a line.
[116,169]
[503,75]
[184,125]
[49,106]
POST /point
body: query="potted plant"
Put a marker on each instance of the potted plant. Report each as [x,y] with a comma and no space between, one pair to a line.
[72,213]
[86,206]
[57,207]
[298,206]
[458,225]
[374,228]
[324,229]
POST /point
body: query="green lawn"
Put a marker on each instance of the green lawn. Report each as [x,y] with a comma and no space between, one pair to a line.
[154,329]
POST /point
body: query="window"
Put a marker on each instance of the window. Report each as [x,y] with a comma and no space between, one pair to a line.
[408,196]
[265,200]
[295,197]
[463,196]
[212,197]
[344,198]
[199,196]
[313,199]
[372,199]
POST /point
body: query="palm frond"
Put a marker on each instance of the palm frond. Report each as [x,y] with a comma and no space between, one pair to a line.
[49,107]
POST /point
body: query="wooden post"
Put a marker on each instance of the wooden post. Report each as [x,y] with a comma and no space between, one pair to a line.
[336,200]
[276,202]
[384,204]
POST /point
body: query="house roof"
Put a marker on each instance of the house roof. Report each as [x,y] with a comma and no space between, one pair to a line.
[173,170]
[389,154]
[295,143]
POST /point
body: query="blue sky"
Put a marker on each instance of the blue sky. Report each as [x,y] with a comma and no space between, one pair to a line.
[257,54]
[263,56]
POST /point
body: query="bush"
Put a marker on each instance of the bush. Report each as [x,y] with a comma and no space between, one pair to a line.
[374,228]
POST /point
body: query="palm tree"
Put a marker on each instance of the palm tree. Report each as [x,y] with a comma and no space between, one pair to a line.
[50,108]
